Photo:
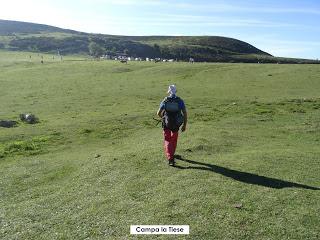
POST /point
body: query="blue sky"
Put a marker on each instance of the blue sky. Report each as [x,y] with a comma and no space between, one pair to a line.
[288,28]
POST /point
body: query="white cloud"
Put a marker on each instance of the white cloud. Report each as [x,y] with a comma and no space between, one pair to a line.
[127,2]
[240,8]
[187,20]
[219,6]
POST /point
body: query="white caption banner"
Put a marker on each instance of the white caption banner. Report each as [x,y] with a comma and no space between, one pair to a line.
[159,229]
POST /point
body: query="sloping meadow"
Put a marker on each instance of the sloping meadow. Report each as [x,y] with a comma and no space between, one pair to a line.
[94,164]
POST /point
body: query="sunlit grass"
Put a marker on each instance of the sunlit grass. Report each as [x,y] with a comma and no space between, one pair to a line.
[94,164]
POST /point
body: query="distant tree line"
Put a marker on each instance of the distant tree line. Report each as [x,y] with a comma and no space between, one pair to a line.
[114,46]
[50,44]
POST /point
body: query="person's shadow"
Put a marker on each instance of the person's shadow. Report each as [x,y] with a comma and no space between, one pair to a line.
[244,177]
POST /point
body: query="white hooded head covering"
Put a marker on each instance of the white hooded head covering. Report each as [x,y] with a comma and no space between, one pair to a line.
[172,89]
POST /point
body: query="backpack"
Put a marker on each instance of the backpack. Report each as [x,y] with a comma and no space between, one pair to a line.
[172,118]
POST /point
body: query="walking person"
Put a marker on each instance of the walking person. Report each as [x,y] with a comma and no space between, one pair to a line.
[173,112]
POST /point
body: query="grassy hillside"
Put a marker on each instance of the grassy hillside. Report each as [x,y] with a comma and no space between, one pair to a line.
[42,38]
[21,36]
[252,140]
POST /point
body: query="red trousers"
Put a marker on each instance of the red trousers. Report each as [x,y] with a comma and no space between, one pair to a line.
[170,143]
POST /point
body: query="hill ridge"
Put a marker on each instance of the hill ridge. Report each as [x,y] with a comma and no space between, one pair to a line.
[25,36]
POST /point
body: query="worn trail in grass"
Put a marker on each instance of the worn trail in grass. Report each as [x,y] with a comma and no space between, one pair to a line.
[253,139]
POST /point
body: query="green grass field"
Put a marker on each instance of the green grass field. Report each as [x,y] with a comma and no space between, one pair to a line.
[252,140]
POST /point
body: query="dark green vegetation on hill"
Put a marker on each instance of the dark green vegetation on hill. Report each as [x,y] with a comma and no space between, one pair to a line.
[43,38]
[253,140]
